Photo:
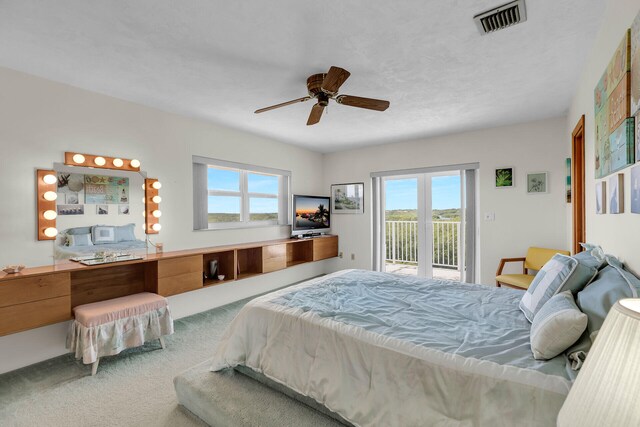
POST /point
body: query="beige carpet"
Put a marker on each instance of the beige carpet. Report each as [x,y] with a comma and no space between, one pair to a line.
[134,388]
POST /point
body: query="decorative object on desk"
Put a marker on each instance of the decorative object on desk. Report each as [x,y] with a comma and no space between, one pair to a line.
[101,162]
[601,197]
[567,187]
[159,248]
[70,209]
[614,132]
[213,269]
[616,194]
[505,177]
[102,209]
[46,183]
[152,211]
[221,277]
[123,209]
[537,182]
[605,393]
[635,189]
[347,198]
[13,269]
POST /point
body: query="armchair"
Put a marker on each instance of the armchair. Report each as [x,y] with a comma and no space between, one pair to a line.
[535,259]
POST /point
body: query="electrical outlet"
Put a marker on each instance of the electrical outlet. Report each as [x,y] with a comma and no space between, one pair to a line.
[353,257]
[340,255]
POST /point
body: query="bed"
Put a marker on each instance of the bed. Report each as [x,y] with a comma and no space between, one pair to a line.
[381,349]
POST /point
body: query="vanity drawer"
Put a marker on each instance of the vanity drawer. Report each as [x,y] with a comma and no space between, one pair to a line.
[274,258]
[20,317]
[35,288]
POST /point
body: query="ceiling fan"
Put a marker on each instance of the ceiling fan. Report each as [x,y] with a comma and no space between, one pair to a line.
[323,87]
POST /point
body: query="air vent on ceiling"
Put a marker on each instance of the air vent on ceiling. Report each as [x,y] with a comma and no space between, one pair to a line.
[501,17]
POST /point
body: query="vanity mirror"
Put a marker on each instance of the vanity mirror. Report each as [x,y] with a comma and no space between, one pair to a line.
[99,212]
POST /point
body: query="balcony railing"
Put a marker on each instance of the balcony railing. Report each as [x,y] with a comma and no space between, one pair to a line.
[402,243]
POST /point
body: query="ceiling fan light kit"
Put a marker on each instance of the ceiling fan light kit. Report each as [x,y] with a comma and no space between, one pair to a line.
[323,87]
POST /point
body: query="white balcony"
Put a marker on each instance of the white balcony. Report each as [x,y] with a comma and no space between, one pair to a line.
[402,248]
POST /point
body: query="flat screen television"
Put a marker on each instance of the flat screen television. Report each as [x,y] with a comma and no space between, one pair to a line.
[310,215]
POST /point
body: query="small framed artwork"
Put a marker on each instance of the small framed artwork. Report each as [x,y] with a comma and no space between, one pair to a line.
[505,177]
[123,209]
[616,193]
[635,189]
[601,197]
[102,209]
[70,210]
[347,198]
[537,182]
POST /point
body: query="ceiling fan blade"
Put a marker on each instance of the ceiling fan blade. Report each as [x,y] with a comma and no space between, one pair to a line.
[368,103]
[334,79]
[284,104]
[316,114]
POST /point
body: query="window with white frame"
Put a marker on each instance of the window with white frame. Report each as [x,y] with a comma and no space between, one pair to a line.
[234,195]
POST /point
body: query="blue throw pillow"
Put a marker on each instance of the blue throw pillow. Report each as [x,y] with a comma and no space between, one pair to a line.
[103,234]
[78,230]
[125,233]
[593,255]
[610,285]
[561,273]
[79,240]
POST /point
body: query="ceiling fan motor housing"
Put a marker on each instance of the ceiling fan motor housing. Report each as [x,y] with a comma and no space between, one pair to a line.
[314,84]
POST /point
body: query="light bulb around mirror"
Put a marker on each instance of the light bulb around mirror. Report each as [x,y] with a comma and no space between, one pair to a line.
[49,179]
[99,161]
[118,163]
[50,232]
[144,213]
[78,158]
[50,215]
[156,185]
[50,196]
[156,227]
[156,213]
[143,187]
[144,200]
[135,163]
[156,199]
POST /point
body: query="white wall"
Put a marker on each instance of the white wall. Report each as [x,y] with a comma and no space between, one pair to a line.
[618,234]
[42,119]
[521,220]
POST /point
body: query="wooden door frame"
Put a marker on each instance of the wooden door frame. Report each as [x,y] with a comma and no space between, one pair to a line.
[578,184]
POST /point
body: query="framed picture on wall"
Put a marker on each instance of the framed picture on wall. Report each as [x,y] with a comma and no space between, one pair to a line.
[601,197]
[616,193]
[635,189]
[347,198]
[567,185]
[505,177]
[537,182]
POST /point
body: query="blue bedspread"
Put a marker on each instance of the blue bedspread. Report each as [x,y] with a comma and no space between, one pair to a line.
[473,321]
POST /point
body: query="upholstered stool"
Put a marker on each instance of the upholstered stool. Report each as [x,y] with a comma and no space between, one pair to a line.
[107,327]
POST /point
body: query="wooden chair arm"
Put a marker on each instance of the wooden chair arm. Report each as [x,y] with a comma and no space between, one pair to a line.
[503,261]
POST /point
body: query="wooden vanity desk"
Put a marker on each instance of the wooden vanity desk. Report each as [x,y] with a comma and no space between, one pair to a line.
[45,295]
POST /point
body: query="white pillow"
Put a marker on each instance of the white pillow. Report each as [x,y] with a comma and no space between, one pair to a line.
[79,240]
[556,326]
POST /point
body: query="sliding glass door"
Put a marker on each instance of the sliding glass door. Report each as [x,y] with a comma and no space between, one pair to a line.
[422,224]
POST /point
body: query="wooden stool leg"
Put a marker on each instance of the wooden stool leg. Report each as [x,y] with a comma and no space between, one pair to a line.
[162,343]
[94,367]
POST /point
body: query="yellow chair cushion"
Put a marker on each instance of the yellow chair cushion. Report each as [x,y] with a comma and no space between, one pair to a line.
[519,280]
[537,257]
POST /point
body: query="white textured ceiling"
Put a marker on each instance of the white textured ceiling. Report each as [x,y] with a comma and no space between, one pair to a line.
[221,60]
